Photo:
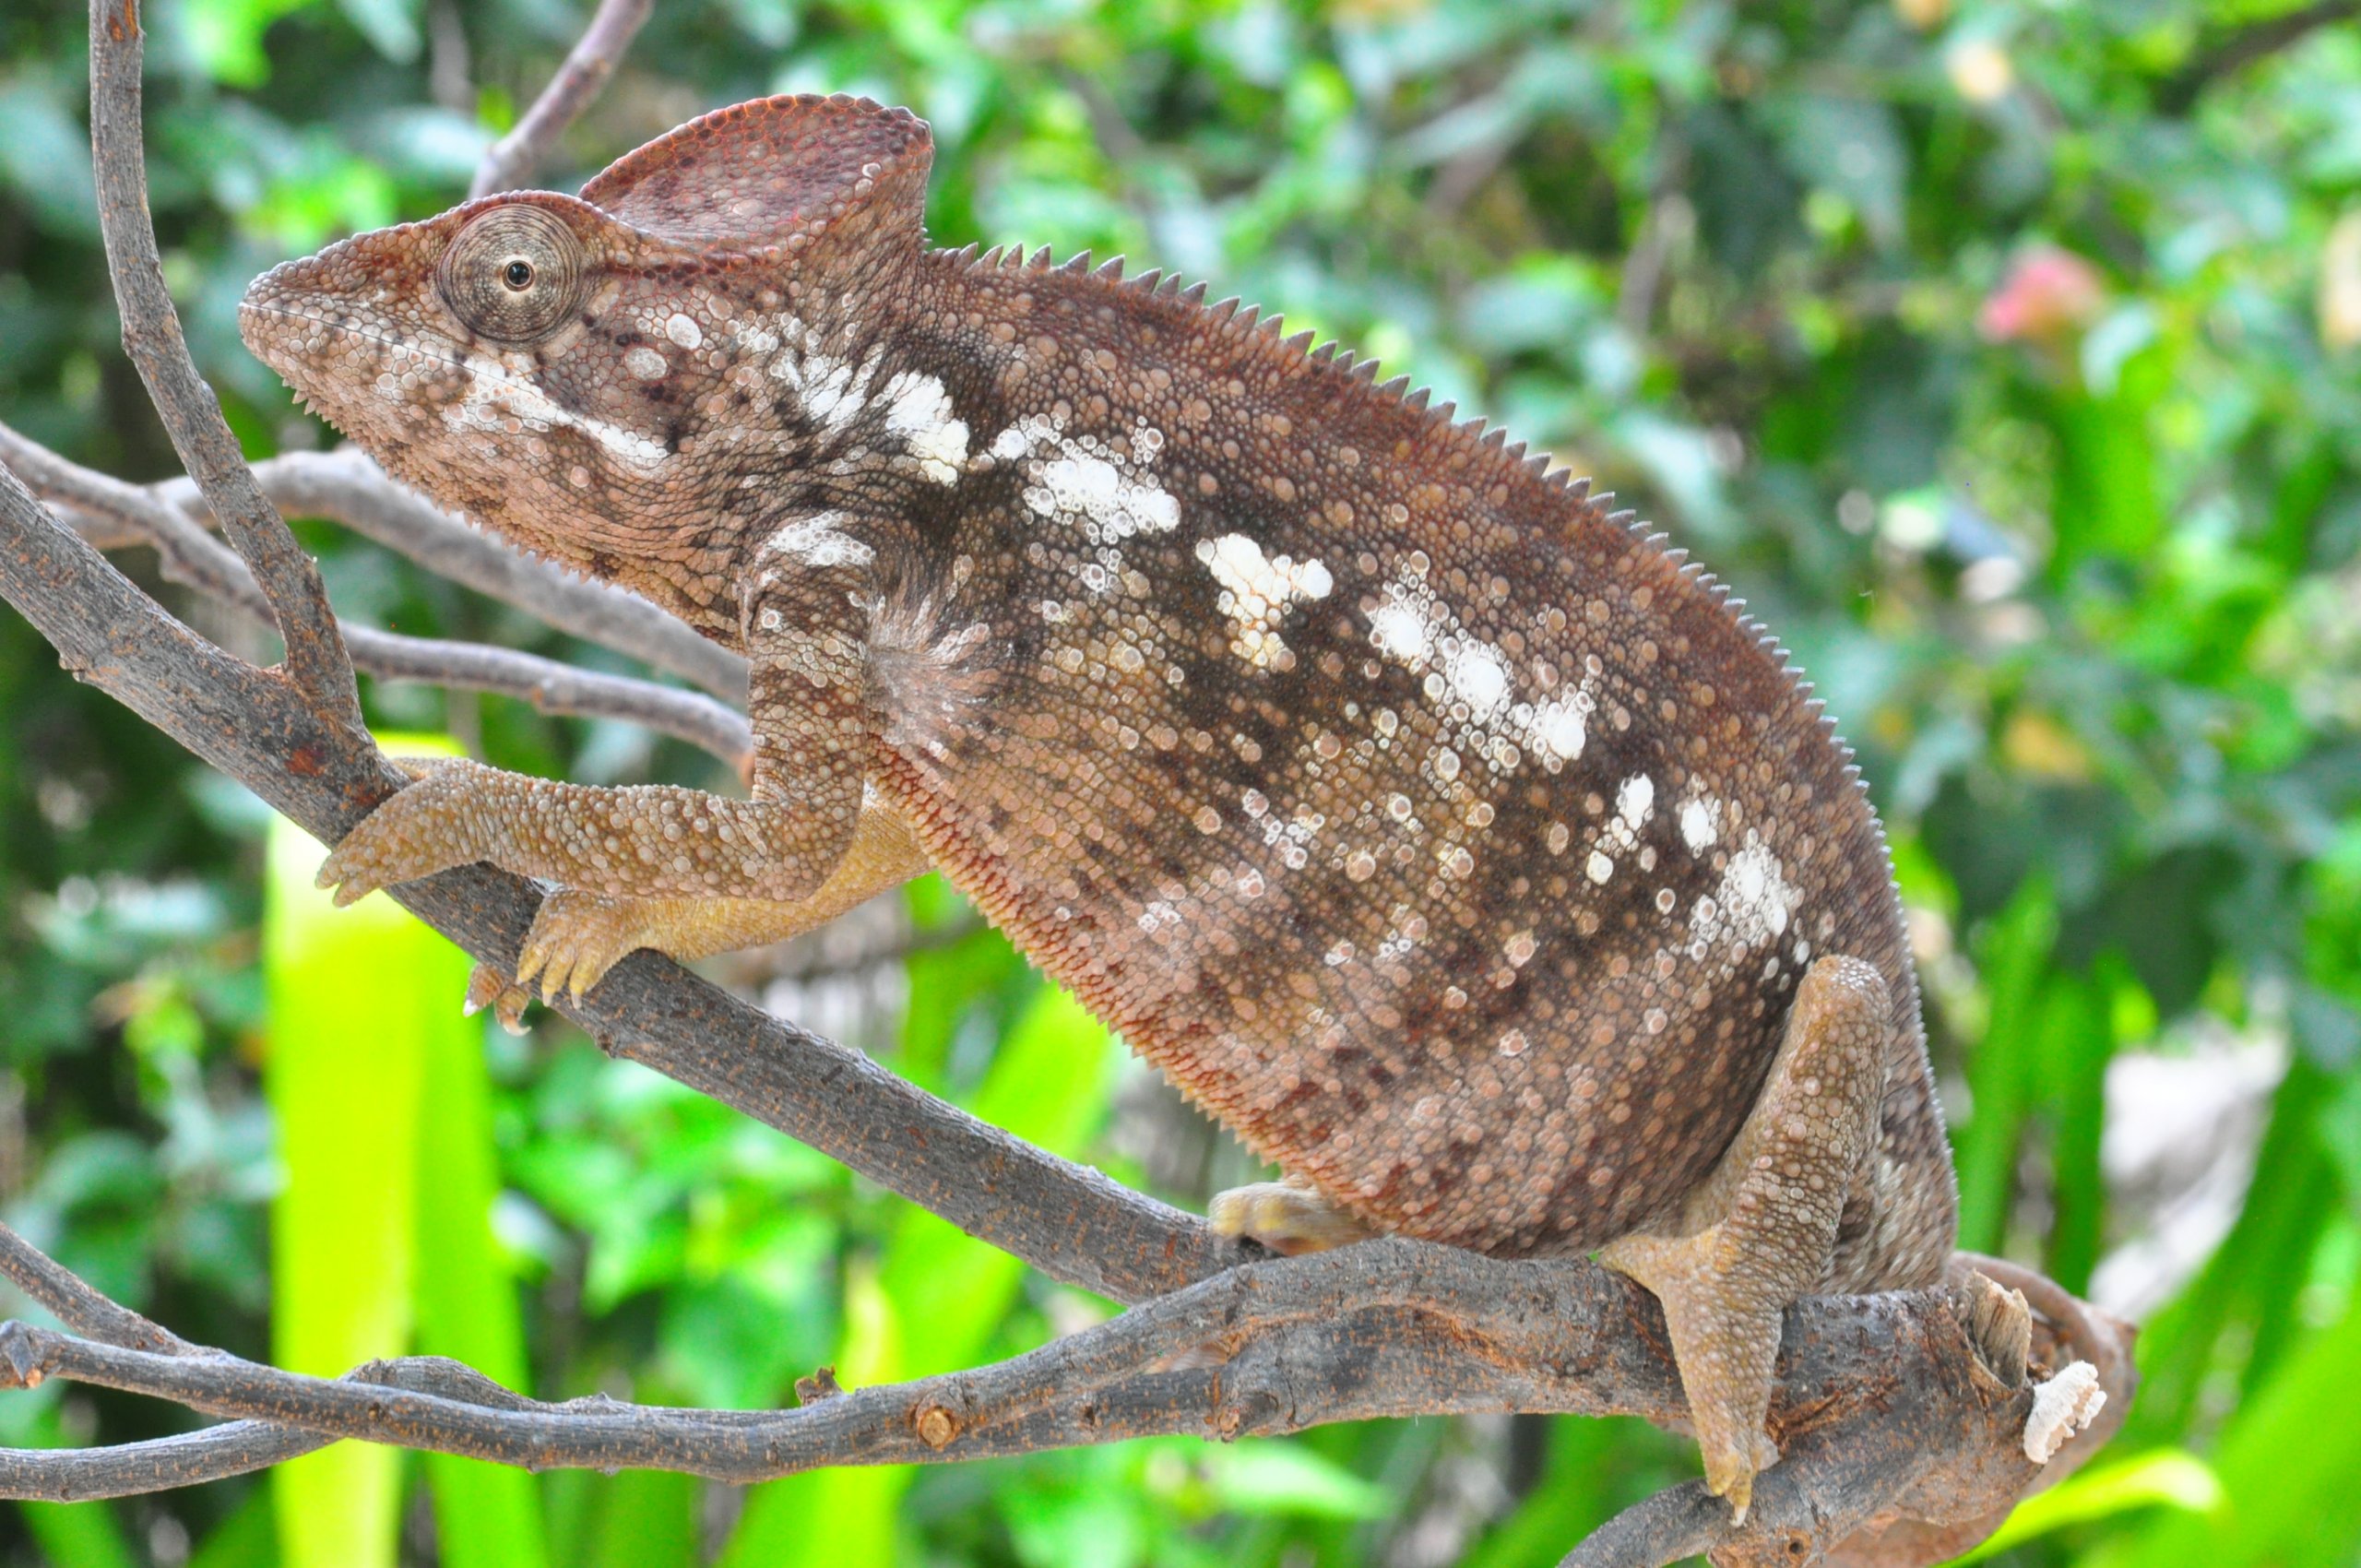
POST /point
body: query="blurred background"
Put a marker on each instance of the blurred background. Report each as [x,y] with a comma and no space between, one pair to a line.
[2006,357]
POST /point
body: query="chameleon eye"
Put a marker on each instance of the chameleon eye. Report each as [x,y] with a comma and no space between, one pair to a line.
[513,274]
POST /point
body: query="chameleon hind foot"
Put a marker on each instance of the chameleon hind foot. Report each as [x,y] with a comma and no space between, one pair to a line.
[1760,1231]
[1289,1216]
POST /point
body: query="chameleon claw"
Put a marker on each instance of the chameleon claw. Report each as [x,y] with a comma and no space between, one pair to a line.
[487,987]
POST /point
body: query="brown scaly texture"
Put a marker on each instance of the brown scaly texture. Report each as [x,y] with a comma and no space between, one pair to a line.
[1454,842]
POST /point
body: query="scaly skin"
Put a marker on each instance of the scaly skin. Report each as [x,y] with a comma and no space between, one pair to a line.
[1456,844]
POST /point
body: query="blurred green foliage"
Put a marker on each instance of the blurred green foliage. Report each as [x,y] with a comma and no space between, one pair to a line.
[2007,357]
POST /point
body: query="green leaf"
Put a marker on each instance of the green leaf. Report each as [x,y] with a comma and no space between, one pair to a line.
[225,37]
[2000,1068]
[390,26]
[1264,1476]
[2165,1478]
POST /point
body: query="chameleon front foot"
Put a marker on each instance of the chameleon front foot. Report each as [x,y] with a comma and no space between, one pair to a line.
[577,935]
[424,829]
[1288,1216]
[1760,1231]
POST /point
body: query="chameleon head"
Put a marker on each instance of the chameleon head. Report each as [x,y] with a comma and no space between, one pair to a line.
[498,358]
[564,370]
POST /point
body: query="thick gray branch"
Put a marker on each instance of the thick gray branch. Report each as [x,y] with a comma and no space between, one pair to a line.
[1069,1220]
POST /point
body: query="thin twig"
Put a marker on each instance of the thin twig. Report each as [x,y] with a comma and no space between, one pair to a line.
[930,938]
[2235,50]
[510,161]
[347,487]
[1677,1521]
[234,1448]
[297,603]
[80,1307]
[556,688]
[192,556]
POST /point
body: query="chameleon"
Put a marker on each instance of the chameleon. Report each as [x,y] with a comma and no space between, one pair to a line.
[1455,841]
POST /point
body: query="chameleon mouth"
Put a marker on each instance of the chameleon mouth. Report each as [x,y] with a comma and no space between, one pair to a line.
[250,308]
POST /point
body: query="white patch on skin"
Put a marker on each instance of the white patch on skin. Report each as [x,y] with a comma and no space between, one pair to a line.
[1479,678]
[647,363]
[1399,631]
[1082,482]
[1560,727]
[684,331]
[1416,629]
[1095,496]
[1750,907]
[754,339]
[1256,591]
[1635,800]
[496,395]
[818,541]
[1634,803]
[918,411]
[1600,868]
[1159,914]
[832,391]
[1700,822]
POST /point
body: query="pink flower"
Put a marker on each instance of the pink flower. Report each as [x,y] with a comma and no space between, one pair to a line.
[2048,293]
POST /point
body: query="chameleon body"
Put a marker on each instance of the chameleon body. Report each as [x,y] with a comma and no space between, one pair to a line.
[1457,843]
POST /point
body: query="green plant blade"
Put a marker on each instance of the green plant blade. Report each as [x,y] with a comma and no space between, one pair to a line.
[357,999]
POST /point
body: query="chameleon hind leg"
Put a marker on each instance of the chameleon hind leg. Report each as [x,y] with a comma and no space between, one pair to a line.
[578,935]
[1289,1216]
[1760,1229]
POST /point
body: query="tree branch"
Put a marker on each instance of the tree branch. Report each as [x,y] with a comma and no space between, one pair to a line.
[192,556]
[347,487]
[510,161]
[1072,1222]
[151,336]
[2230,53]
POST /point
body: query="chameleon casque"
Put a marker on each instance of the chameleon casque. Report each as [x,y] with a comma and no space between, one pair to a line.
[1458,845]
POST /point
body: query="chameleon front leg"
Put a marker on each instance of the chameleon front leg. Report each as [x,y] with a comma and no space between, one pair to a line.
[652,863]
[578,935]
[1760,1231]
